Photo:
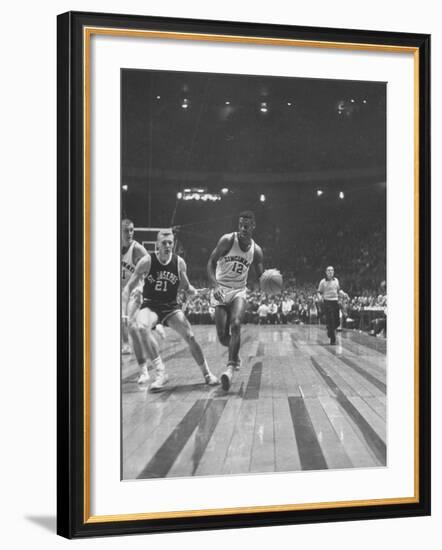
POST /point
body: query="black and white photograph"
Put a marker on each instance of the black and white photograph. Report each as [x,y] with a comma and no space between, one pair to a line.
[229,201]
[253,274]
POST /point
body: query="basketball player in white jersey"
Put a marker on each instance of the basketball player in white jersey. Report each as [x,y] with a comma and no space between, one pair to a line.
[227,269]
[162,275]
[131,253]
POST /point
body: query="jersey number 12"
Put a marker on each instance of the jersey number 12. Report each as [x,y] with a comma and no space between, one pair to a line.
[238,268]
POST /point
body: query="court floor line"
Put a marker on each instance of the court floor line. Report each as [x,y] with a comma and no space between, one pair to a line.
[340,371]
[189,459]
[378,406]
[332,447]
[170,434]
[375,381]
[162,461]
[358,349]
[286,448]
[143,425]
[372,379]
[212,461]
[310,452]
[374,344]
[371,437]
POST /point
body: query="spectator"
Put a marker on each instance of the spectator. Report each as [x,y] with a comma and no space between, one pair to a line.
[273,313]
[286,309]
[263,311]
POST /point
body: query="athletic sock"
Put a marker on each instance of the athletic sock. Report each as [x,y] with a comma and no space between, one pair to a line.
[204,368]
[158,364]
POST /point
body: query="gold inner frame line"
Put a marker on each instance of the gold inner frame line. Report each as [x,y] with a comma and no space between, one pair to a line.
[265,41]
[87,33]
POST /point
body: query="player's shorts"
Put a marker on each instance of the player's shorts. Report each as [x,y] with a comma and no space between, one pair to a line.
[230,294]
[162,311]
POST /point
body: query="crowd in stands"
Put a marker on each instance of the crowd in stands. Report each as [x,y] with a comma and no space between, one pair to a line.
[357,255]
[299,304]
[354,243]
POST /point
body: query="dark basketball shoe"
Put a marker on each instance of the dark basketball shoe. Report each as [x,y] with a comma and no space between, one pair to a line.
[226,378]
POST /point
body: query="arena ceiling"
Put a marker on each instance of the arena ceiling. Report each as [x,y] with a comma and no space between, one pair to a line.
[244,132]
[193,124]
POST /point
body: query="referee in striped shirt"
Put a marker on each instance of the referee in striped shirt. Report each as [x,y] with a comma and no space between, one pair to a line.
[329,290]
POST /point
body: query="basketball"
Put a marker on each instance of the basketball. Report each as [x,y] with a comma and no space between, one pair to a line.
[271,281]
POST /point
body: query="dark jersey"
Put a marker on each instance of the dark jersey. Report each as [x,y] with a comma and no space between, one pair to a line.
[161,283]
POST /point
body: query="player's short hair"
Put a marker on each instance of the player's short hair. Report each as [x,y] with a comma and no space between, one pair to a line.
[248,214]
[165,233]
[127,221]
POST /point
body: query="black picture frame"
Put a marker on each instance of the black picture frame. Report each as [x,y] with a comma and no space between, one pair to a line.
[73,516]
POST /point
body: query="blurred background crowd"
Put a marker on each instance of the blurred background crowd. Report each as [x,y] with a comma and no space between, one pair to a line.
[308,156]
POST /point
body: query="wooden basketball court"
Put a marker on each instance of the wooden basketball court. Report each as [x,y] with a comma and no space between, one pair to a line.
[297,403]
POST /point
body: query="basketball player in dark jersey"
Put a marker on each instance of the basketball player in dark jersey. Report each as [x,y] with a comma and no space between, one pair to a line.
[228,269]
[164,273]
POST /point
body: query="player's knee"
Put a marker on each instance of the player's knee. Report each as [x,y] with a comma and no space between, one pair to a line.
[189,337]
[150,336]
[145,327]
[132,326]
[223,337]
[235,326]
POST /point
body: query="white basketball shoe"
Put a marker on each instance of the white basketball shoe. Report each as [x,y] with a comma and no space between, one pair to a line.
[143,378]
[159,382]
[211,379]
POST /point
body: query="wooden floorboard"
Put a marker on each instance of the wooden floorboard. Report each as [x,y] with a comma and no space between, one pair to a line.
[286,448]
[263,448]
[332,448]
[296,403]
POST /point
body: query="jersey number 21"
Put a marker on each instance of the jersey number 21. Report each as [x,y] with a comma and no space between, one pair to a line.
[161,286]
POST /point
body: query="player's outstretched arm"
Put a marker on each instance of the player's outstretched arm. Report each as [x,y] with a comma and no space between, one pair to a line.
[143,267]
[184,279]
[139,252]
[258,262]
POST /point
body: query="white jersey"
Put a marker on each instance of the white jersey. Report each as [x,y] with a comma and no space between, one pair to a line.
[233,268]
[127,264]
